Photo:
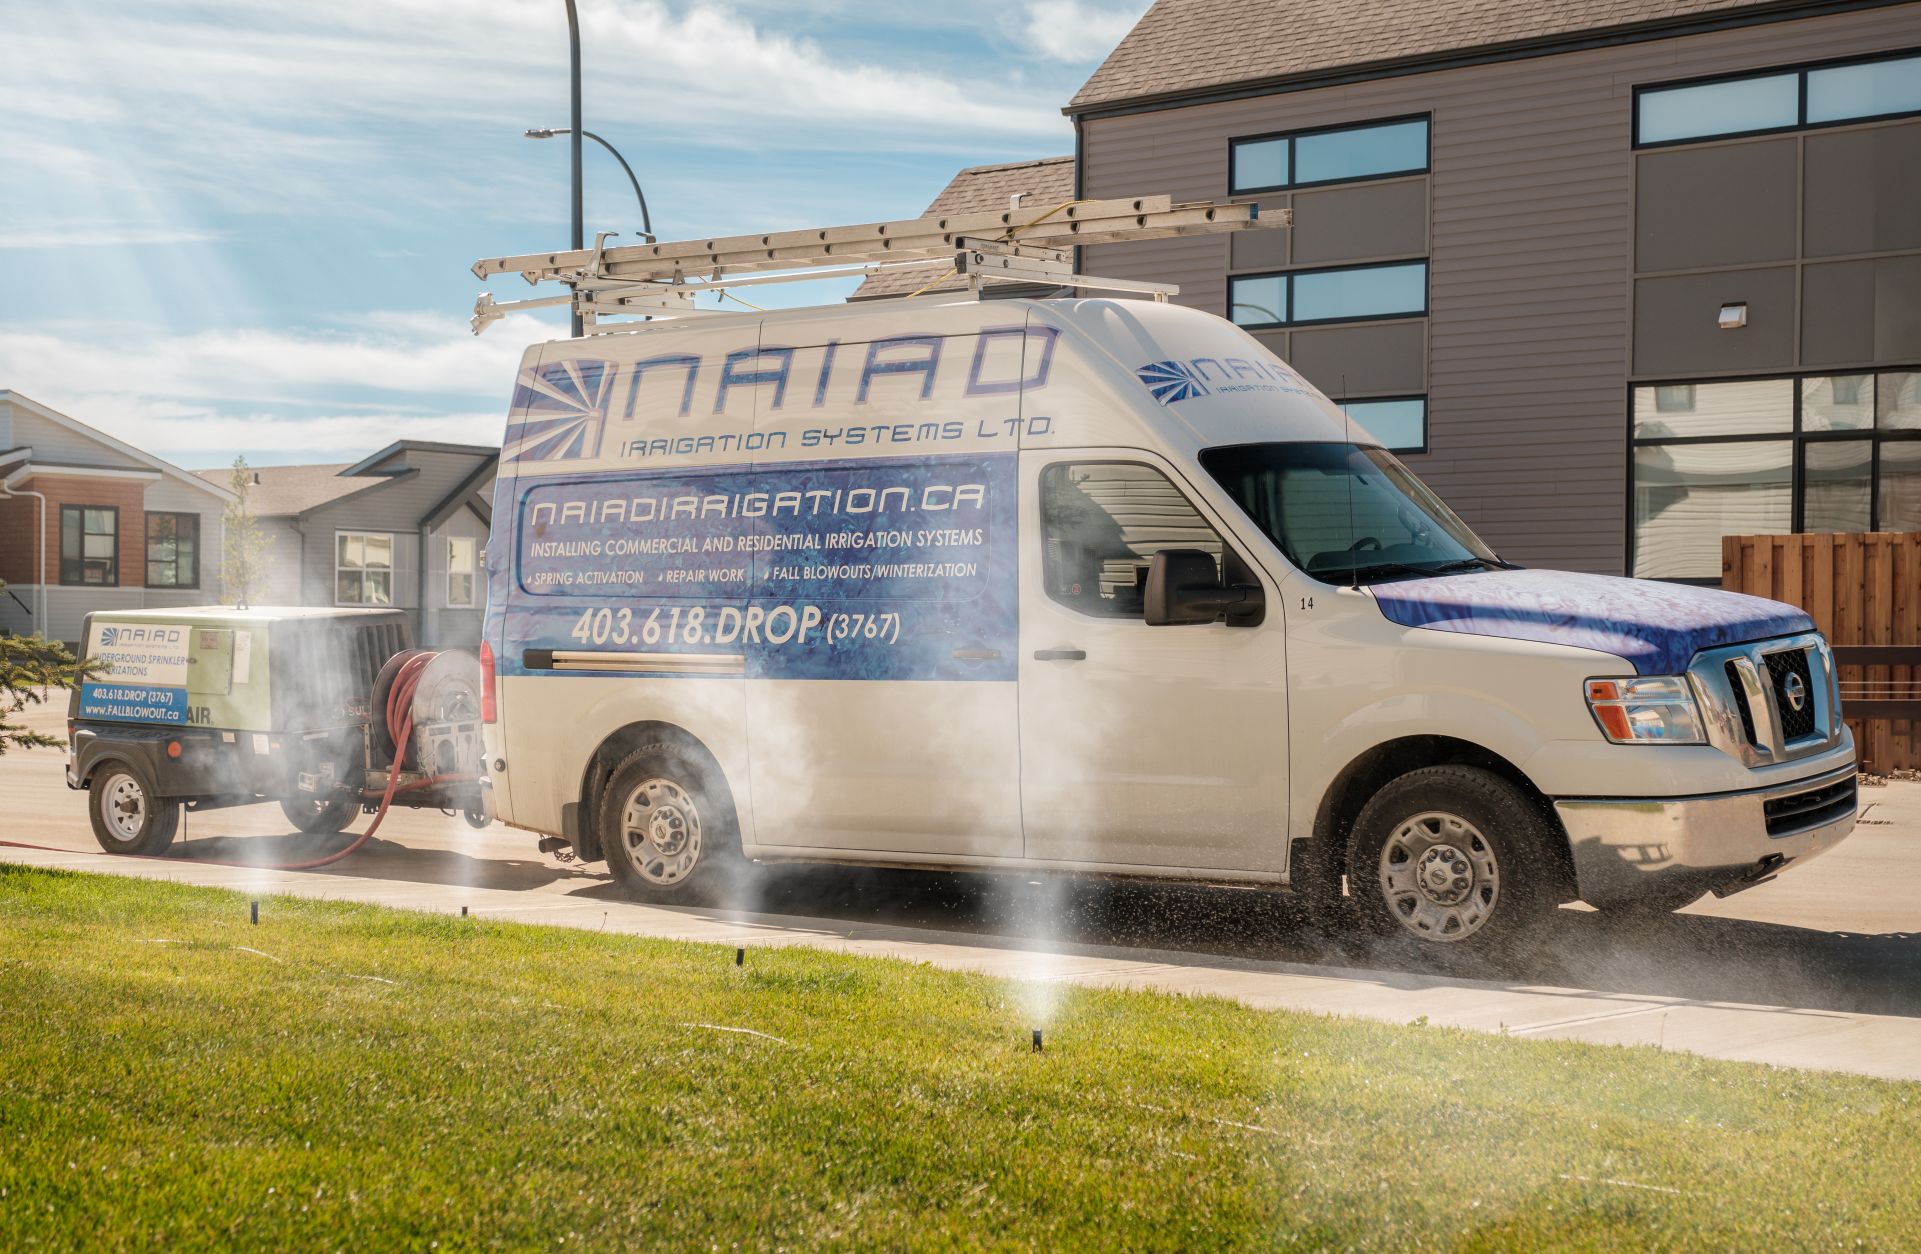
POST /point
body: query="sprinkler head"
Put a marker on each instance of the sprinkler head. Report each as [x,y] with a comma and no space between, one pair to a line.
[1037,1040]
[254,911]
[463,912]
[740,957]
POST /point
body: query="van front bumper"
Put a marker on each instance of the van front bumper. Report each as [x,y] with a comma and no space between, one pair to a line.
[1629,848]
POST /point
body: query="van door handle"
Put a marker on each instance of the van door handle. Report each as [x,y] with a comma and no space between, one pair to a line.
[977,655]
[1060,655]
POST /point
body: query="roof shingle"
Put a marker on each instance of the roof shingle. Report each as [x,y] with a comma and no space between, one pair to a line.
[1184,46]
[282,491]
[980,189]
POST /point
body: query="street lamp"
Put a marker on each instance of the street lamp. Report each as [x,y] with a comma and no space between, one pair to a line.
[573,67]
[646,221]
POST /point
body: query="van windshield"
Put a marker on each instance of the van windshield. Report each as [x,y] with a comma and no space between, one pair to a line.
[1346,512]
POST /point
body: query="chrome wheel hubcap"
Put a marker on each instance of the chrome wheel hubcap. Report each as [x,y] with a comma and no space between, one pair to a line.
[660,832]
[1440,877]
[124,807]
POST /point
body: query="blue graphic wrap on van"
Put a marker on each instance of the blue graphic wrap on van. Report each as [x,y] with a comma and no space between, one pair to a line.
[1657,627]
[882,569]
[559,411]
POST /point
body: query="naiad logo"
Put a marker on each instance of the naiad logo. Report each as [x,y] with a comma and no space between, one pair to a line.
[1171,381]
[110,636]
[559,411]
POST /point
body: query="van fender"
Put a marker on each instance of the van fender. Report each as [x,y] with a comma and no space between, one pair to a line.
[580,819]
[1338,773]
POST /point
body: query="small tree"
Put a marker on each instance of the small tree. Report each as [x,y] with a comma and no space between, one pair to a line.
[243,546]
[30,668]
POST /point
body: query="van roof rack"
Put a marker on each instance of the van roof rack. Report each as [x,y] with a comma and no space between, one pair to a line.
[1019,245]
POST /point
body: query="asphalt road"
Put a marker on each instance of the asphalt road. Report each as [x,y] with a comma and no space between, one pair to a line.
[1820,968]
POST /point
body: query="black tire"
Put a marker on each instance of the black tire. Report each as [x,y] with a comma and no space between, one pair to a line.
[315,816]
[668,831]
[127,816]
[1470,869]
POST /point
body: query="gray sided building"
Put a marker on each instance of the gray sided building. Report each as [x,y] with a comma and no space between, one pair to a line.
[406,527]
[1621,277]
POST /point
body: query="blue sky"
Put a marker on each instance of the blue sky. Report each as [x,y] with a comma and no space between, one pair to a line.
[238,227]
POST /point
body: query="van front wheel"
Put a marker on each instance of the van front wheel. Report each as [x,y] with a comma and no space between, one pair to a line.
[1451,855]
[667,829]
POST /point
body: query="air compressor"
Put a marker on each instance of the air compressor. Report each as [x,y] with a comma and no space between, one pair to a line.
[330,712]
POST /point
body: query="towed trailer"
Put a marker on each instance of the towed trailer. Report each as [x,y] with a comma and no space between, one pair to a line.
[329,712]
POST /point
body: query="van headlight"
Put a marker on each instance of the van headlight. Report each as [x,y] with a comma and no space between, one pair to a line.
[1656,710]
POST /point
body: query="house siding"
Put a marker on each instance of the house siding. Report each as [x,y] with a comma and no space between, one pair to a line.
[446,625]
[1531,203]
[397,508]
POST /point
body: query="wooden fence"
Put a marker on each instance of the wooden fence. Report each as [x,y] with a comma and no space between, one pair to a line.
[1860,589]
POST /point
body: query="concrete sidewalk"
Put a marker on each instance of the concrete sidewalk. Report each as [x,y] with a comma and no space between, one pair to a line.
[1868,1044]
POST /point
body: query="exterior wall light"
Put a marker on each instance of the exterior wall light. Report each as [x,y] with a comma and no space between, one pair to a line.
[1734,315]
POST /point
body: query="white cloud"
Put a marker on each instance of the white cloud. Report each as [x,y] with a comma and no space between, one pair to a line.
[254,104]
[105,235]
[301,396]
[1070,30]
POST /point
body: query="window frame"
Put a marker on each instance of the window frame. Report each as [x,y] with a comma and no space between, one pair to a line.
[390,568]
[1288,276]
[188,585]
[1309,132]
[113,571]
[472,572]
[1797,435]
[1800,69]
[1412,450]
[1231,558]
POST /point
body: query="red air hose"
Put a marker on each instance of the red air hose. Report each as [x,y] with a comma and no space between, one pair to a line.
[399,716]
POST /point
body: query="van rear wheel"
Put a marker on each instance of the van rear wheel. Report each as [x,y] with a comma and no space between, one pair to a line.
[316,816]
[127,816]
[1454,857]
[667,829]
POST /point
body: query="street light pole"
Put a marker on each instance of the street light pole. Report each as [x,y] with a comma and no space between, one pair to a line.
[646,219]
[580,218]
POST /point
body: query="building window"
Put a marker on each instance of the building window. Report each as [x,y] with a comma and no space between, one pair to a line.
[1819,453]
[1349,294]
[90,545]
[1399,422]
[363,568]
[173,550]
[460,572]
[1674,398]
[1102,523]
[1778,100]
[1337,154]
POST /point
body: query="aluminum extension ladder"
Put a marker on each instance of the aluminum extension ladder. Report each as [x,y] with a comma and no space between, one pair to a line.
[1019,245]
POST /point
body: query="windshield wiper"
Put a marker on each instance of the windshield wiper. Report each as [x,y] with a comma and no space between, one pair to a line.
[1376,570]
[1471,563]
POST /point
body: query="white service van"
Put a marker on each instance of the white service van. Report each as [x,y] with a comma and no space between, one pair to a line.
[1098,586]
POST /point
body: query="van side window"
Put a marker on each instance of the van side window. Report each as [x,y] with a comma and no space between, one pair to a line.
[1102,522]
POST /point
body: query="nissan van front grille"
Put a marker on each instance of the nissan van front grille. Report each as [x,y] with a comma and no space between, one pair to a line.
[1792,685]
[1772,701]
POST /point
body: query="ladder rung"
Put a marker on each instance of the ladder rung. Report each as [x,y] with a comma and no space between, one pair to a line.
[1107,221]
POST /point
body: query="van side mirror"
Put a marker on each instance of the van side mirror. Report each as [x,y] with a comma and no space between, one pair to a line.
[1184,586]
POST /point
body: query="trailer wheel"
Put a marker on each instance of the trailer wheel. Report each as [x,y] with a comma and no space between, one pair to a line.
[128,817]
[669,835]
[315,816]
[1452,856]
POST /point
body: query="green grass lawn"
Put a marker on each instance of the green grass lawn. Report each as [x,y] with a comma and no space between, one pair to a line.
[379,1080]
